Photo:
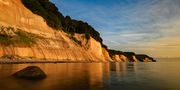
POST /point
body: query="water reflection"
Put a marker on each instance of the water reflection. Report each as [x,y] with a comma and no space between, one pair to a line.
[74,76]
[123,67]
[60,77]
[92,76]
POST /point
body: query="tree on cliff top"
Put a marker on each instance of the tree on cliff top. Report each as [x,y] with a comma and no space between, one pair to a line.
[56,20]
[47,10]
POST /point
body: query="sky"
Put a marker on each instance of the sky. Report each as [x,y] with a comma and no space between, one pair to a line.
[143,26]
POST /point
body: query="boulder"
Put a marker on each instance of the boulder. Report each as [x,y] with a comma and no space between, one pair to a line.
[31,72]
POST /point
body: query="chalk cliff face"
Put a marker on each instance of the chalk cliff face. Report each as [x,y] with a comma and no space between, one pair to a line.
[129,57]
[144,58]
[133,58]
[119,58]
[53,44]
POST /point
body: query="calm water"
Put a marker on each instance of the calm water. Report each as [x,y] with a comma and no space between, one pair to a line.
[163,75]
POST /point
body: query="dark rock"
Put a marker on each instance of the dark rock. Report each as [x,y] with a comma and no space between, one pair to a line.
[31,72]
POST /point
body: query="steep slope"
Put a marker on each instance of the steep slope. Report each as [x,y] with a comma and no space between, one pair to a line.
[129,57]
[35,29]
[51,44]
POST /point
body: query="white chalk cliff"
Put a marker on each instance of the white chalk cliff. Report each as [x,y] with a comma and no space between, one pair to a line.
[55,45]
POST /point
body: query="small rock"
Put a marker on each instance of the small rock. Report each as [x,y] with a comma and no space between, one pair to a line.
[31,72]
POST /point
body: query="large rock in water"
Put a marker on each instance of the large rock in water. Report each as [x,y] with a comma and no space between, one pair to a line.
[31,72]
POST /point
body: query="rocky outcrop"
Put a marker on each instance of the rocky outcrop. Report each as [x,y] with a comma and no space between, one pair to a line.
[31,73]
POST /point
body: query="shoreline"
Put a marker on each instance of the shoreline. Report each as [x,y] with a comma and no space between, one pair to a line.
[42,61]
[6,61]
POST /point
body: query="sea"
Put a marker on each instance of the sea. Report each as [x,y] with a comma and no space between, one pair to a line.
[161,75]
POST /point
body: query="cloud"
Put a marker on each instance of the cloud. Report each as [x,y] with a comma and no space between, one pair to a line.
[148,26]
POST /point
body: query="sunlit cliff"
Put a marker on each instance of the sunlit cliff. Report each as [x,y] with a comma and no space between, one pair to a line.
[43,42]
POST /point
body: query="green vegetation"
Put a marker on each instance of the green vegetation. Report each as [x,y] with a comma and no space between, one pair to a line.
[6,40]
[74,26]
[56,20]
[75,40]
[141,57]
[9,56]
[18,37]
[104,46]
[115,52]
[25,38]
[129,55]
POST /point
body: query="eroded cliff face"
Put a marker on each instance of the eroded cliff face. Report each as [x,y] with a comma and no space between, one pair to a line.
[106,54]
[93,46]
[53,44]
[133,58]
[120,56]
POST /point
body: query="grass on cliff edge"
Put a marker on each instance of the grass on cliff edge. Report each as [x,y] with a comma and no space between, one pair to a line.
[10,56]
[21,38]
